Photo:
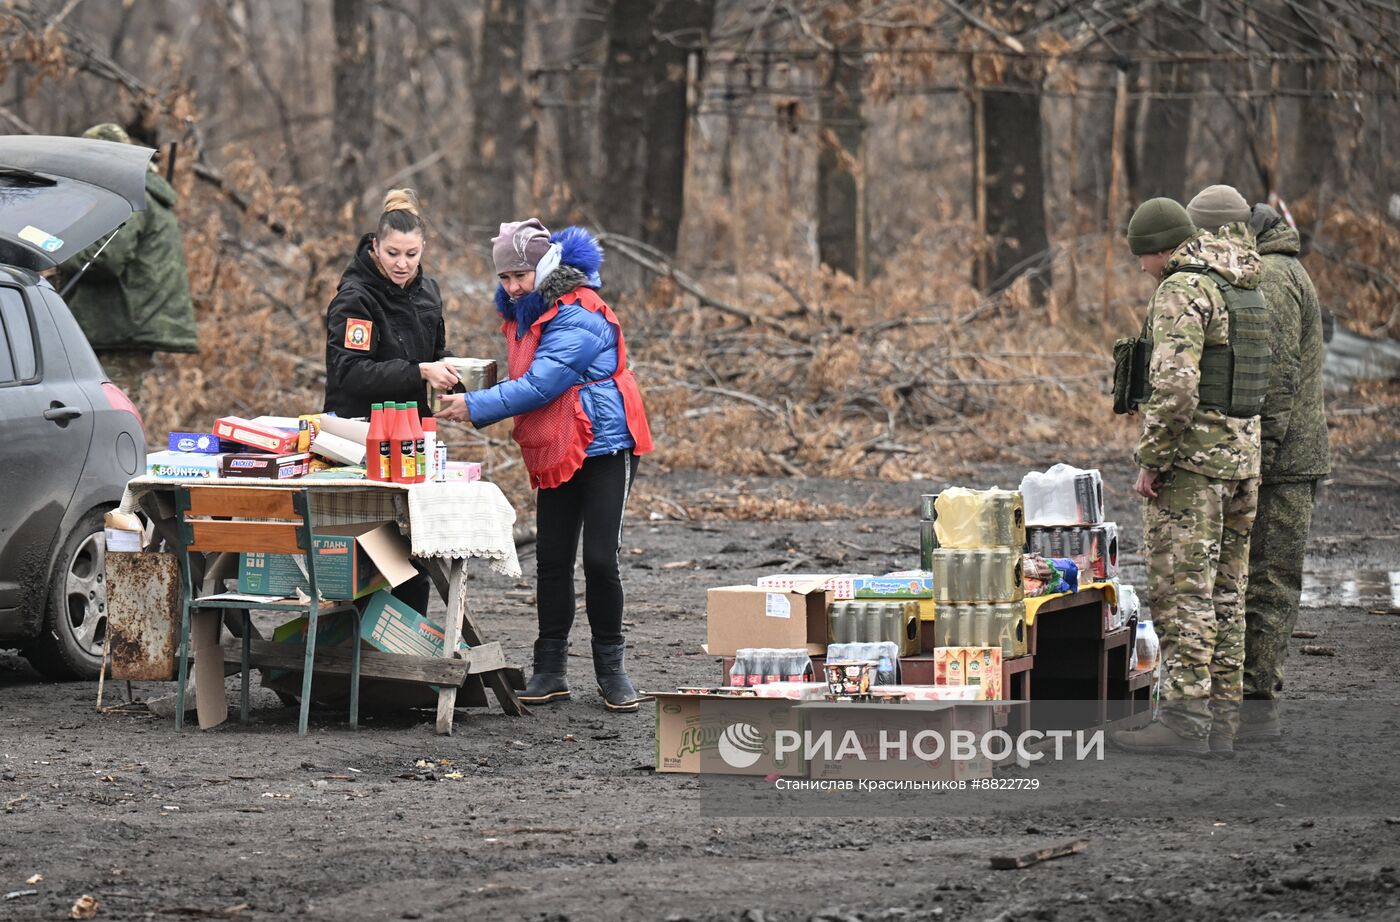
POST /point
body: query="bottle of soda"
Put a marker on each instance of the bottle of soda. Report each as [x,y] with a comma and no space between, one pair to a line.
[757,662]
[739,672]
[376,445]
[419,440]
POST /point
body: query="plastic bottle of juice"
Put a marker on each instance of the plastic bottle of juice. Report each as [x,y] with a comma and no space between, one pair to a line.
[419,440]
[1147,647]
[376,463]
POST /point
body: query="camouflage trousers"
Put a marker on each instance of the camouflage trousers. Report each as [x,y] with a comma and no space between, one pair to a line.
[1276,551]
[1196,534]
[127,369]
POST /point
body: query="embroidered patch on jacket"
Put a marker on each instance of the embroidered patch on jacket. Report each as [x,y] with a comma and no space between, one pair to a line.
[357,334]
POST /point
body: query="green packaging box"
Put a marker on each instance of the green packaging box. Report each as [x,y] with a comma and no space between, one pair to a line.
[351,562]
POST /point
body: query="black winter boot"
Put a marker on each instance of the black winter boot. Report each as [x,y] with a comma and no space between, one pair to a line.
[613,684]
[547,682]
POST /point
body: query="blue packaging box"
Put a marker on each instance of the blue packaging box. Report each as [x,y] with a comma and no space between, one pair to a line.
[908,586]
[201,443]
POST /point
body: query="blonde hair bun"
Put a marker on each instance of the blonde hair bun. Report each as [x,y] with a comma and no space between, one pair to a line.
[401,200]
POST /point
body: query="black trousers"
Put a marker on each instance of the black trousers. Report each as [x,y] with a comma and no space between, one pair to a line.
[589,503]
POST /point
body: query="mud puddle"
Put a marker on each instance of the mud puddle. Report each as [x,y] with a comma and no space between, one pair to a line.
[1351,589]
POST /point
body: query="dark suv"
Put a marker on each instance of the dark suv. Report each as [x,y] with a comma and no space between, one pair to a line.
[69,438]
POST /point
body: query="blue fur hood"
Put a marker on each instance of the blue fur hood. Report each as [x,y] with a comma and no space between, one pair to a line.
[580,258]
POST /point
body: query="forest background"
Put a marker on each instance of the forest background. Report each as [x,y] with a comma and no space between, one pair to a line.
[849,238]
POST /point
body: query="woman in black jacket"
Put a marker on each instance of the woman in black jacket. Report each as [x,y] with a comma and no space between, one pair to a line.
[385,337]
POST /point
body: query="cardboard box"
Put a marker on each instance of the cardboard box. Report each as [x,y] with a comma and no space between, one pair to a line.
[748,616]
[391,625]
[969,666]
[719,734]
[895,587]
[351,561]
[840,585]
[183,465]
[265,467]
[256,435]
[202,443]
[461,472]
[872,726]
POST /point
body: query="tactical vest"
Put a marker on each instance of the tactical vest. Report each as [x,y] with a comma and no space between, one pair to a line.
[1234,376]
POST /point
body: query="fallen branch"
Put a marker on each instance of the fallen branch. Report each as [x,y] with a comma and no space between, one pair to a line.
[1016,862]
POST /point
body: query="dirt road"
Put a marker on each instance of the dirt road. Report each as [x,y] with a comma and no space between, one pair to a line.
[560,816]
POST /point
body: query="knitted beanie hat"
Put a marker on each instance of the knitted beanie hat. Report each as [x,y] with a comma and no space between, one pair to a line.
[1216,206]
[1159,224]
[520,246]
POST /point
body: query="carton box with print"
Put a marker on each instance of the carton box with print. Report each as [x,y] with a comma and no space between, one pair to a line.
[912,741]
[969,666]
[751,616]
[351,561]
[718,734]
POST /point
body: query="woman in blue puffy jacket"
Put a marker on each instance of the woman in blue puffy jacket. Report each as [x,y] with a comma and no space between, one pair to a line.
[580,424]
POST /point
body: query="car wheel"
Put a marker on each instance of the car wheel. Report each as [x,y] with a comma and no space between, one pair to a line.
[75,622]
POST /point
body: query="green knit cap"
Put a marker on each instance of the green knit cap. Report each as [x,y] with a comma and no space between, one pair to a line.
[107,131]
[1158,224]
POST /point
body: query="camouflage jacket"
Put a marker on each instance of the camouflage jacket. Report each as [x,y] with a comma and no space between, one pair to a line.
[1186,314]
[1294,433]
[136,294]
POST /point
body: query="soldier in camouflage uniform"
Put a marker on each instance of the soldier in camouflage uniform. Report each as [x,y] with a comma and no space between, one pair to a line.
[134,299]
[1295,458]
[1199,472]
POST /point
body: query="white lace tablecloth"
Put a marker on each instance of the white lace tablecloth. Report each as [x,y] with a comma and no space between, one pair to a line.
[441,519]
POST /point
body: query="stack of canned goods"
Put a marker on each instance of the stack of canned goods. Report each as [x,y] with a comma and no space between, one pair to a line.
[982,624]
[875,622]
[1093,548]
[982,574]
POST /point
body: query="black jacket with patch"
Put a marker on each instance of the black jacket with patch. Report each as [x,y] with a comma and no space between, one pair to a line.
[405,328]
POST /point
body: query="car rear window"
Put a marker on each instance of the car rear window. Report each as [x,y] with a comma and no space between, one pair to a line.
[17,361]
[43,208]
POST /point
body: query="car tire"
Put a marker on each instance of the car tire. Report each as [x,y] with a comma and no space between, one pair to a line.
[74,629]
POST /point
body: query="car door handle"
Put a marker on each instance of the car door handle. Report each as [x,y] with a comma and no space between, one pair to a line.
[61,414]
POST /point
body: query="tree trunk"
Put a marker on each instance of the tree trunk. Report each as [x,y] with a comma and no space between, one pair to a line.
[1315,157]
[574,122]
[1167,131]
[622,117]
[501,116]
[1015,185]
[840,224]
[676,23]
[353,121]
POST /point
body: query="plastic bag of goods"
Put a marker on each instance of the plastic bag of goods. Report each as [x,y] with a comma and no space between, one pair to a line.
[979,518]
[1063,495]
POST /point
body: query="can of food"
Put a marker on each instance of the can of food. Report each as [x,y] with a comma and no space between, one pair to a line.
[892,622]
[845,628]
[940,567]
[872,622]
[981,630]
[985,578]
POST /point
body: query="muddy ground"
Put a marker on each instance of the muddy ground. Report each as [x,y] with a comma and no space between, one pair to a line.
[560,815]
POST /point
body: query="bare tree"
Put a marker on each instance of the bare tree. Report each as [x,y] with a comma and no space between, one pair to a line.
[501,116]
[1013,178]
[841,224]
[677,24]
[623,117]
[354,108]
[1167,130]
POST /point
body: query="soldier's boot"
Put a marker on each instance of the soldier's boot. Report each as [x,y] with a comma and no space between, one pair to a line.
[1222,746]
[547,681]
[1260,724]
[1159,739]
